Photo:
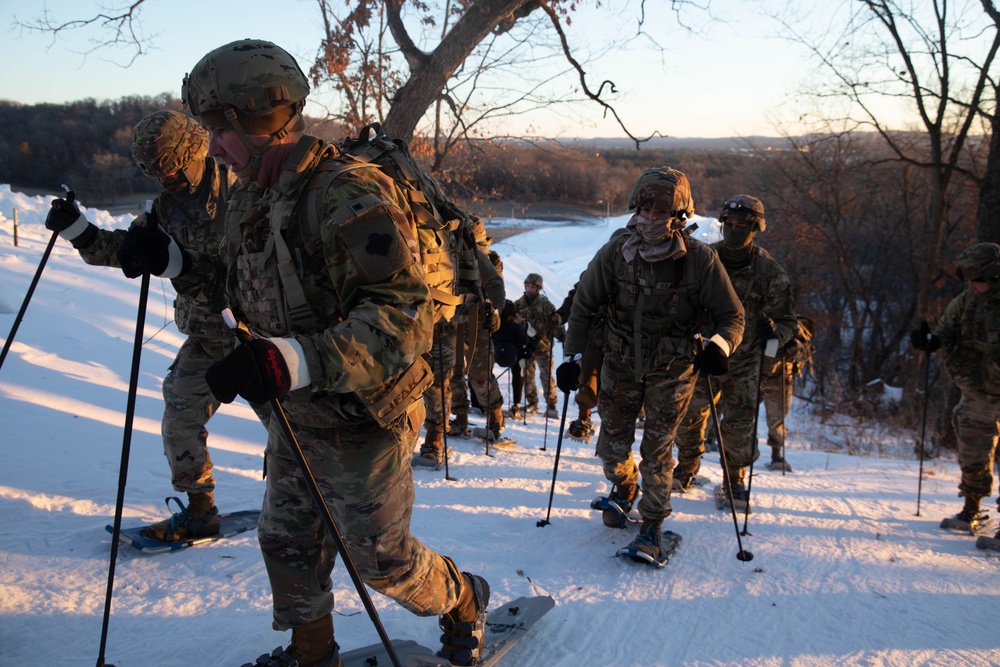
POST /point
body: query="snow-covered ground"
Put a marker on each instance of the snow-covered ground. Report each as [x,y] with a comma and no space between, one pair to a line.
[845,572]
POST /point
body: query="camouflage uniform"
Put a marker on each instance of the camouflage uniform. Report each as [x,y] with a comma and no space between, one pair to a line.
[537,310]
[652,310]
[195,219]
[777,392]
[371,324]
[764,290]
[590,363]
[969,333]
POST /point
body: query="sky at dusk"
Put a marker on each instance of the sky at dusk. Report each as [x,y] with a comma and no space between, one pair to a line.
[729,74]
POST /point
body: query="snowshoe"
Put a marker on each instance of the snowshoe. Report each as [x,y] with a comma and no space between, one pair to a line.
[552,413]
[741,500]
[280,657]
[492,437]
[650,547]
[987,542]
[515,412]
[199,518]
[779,465]
[464,627]
[531,409]
[972,522]
[616,507]
[459,428]
[428,459]
[580,430]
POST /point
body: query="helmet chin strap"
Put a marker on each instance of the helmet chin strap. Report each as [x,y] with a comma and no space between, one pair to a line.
[252,167]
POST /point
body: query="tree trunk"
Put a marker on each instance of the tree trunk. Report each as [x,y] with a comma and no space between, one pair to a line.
[429,73]
[988,218]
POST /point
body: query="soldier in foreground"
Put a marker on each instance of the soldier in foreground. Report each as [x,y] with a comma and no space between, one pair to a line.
[969,333]
[173,149]
[327,276]
[654,286]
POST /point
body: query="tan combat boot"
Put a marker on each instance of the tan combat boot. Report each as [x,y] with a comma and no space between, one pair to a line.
[199,519]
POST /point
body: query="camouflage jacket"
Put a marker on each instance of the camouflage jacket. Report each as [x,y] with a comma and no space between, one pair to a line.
[654,308]
[764,290]
[970,336]
[197,222]
[362,279]
[538,313]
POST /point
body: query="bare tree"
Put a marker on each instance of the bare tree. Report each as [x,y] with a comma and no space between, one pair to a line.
[938,57]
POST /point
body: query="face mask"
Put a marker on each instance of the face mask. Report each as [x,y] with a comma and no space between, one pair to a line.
[652,231]
[737,239]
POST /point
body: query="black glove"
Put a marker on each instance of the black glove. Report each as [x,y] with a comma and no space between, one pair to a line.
[568,376]
[491,318]
[766,330]
[64,217]
[255,370]
[922,339]
[711,359]
[149,249]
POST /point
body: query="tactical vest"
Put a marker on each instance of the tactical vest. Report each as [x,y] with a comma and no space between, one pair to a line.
[646,338]
[291,291]
[444,233]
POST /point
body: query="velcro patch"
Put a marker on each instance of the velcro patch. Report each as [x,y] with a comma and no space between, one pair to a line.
[373,240]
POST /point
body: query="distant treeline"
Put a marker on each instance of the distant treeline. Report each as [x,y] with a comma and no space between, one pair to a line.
[87,144]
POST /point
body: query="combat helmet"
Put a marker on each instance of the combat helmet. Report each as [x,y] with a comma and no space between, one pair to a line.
[169,146]
[533,279]
[980,261]
[252,86]
[747,207]
[667,186]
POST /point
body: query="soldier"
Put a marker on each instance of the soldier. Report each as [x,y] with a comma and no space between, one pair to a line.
[474,358]
[777,387]
[328,277]
[653,284]
[969,332]
[538,311]
[766,296]
[173,149]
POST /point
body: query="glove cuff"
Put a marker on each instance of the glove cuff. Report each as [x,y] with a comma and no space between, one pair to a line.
[84,238]
[295,358]
[721,342]
[178,261]
[78,228]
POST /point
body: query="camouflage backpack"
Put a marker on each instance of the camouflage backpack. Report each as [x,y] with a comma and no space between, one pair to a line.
[799,350]
[444,232]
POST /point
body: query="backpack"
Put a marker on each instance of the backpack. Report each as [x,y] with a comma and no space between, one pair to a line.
[448,249]
[799,350]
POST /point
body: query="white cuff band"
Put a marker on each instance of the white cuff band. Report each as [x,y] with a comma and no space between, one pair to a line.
[77,228]
[176,262]
[295,358]
[721,342]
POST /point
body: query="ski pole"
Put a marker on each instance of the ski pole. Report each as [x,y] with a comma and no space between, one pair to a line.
[923,427]
[555,468]
[133,385]
[756,422]
[445,410]
[243,334]
[489,376]
[784,409]
[743,554]
[548,387]
[70,196]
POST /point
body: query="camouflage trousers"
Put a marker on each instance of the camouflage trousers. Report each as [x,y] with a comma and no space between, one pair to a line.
[188,405]
[777,382]
[977,425]
[437,399]
[665,394]
[736,400]
[479,371]
[364,474]
[539,368]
